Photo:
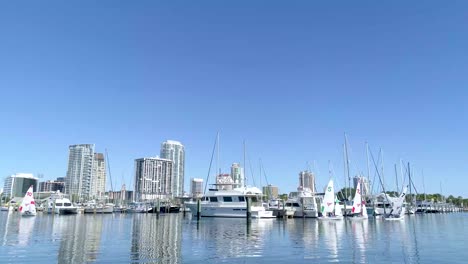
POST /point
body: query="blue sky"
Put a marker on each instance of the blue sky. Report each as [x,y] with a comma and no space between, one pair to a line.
[289,78]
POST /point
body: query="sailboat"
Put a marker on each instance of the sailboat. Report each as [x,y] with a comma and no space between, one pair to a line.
[397,212]
[359,210]
[330,209]
[28,205]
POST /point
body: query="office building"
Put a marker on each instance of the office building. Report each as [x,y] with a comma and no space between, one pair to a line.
[270,191]
[307,180]
[79,172]
[237,175]
[174,151]
[153,179]
[196,187]
[98,178]
[18,184]
[52,186]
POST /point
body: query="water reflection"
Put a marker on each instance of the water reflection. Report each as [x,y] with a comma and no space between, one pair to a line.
[230,238]
[156,239]
[80,237]
[25,228]
[360,231]
[331,235]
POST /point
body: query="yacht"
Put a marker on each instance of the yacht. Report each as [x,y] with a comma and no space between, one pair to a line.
[222,201]
[98,208]
[303,203]
[59,204]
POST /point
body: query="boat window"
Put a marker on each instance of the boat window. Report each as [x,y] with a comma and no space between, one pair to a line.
[241,199]
[227,198]
[67,204]
[254,199]
[288,204]
[296,205]
[59,204]
[214,199]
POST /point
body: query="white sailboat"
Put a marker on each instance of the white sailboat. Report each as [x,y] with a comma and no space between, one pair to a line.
[397,212]
[359,210]
[28,205]
[330,209]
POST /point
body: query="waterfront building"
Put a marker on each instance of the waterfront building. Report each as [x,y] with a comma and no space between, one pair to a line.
[79,172]
[17,185]
[196,187]
[237,175]
[174,151]
[153,179]
[98,178]
[224,181]
[307,180]
[121,197]
[364,183]
[52,186]
[270,191]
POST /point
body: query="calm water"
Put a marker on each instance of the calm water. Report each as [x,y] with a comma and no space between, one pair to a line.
[143,238]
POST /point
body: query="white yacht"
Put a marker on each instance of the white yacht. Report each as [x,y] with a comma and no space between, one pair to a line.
[59,204]
[304,203]
[231,203]
[98,208]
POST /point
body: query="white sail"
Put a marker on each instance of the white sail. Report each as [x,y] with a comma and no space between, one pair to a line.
[28,205]
[328,203]
[338,211]
[397,208]
[364,210]
[357,202]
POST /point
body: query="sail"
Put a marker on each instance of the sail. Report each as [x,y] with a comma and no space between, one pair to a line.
[328,199]
[398,203]
[357,202]
[338,211]
[364,210]
[28,205]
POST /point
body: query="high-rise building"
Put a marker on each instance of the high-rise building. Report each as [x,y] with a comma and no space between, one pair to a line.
[237,175]
[98,178]
[364,184]
[18,184]
[174,150]
[224,182]
[51,186]
[153,179]
[270,191]
[307,180]
[80,170]
[196,187]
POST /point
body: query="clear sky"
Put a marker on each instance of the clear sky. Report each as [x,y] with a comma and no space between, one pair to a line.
[289,78]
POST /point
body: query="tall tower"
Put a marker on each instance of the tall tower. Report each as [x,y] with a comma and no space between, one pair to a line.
[79,172]
[237,175]
[153,179]
[98,178]
[174,150]
[307,180]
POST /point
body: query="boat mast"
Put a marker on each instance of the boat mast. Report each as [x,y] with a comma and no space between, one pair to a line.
[110,176]
[245,169]
[410,183]
[211,162]
[396,179]
[368,168]
[347,162]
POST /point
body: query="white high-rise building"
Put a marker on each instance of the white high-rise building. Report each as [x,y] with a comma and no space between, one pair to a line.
[307,180]
[17,185]
[174,150]
[153,179]
[237,175]
[98,178]
[80,170]
[196,187]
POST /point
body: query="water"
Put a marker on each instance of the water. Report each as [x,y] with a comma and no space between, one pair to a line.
[142,238]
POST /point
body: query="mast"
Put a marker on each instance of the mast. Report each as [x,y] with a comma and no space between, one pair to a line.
[396,178]
[344,173]
[211,162]
[347,161]
[368,168]
[217,157]
[110,176]
[245,169]
[410,183]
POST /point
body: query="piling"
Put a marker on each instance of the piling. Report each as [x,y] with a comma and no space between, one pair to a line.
[198,209]
[158,208]
[249,208]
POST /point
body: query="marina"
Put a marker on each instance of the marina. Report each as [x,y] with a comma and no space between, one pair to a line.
[173,238]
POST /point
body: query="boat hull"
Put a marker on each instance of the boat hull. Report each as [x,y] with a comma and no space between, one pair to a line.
[208,210]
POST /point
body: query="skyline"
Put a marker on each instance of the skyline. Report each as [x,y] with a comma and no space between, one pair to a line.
[289,79]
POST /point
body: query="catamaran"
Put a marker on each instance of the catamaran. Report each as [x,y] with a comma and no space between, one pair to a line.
[359,210]
[331,209]
[28,205]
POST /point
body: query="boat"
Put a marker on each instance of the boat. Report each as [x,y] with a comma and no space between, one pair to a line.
[95,208]
[304,204]
[219,202]
[359,210]
[139,207]
[331,209]
[398,211]
[28,205]
[59,204]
